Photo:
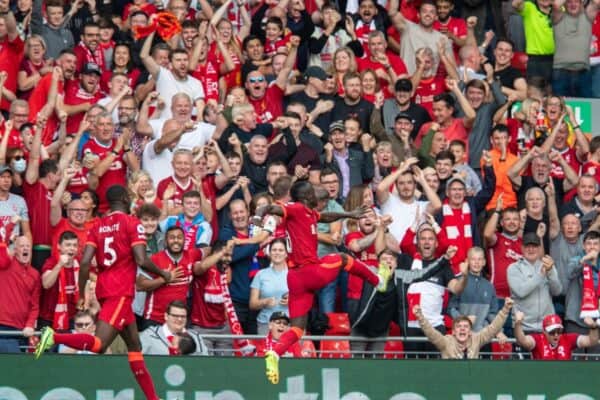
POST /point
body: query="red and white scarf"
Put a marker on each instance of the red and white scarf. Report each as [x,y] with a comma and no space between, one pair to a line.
[243,345]
[589,297]
[61,310]
[458,231]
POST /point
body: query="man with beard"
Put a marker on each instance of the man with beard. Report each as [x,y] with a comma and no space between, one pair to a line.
[88,49]
[415,36]
[403,103]
[79,98]
[353,104]
[19,293]
[175,79]
[268,100]
[402,204]
[127,113]
[453,27]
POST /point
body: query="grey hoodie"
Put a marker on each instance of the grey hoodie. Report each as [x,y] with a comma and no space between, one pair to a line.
[57,39]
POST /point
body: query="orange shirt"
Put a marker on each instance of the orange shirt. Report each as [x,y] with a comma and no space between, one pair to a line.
[503,183]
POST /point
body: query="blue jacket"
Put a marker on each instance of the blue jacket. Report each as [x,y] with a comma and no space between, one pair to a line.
[241,265]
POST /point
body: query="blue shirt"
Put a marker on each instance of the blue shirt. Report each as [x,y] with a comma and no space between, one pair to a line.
[270,283]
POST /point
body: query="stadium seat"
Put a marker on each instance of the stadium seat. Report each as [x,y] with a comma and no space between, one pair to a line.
[308,349]
[519,61]
[501,351]
[393,349]
[335,349]
[339,324]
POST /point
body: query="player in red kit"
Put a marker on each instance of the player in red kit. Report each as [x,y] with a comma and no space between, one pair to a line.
[118,242]
[307,273]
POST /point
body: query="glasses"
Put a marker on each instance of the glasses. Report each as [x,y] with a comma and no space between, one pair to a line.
[178,316]
[555,332]
[18,158]
[78,209]
[257,79]
[83,325]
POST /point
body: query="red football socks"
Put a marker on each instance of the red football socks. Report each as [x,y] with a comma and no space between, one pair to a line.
[288,339]
[357,268]
[79,341]
[141,374]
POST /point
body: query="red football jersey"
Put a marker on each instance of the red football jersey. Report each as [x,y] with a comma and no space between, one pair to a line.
[427,90]
[179,190]
[457,26]
[75,95]
[367,256]
[208,75]
[570,156]
[543,350]
[301,226]
[116,173]
[114,237]
[158,300]
[270,106]
[505,252]
[396,63]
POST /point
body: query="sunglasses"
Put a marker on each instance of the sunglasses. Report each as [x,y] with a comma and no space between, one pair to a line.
[18,158]
[257,79]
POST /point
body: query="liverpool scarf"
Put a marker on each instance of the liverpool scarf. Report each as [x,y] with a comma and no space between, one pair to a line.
[457,227]
[165,24]
[589,298]
[61,310]
[243,345]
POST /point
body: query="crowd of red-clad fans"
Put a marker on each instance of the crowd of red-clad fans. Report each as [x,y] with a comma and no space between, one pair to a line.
[447,121]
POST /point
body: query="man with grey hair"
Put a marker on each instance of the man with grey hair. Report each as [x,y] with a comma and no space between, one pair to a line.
[255,163]
[245,127]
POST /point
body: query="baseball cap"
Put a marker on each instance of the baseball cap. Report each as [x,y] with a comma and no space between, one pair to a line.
[404,115]
[455,178]
[91,68]
[316,72]
[337,126]
[279,315]
[531,238]
[5,168]
[552,322]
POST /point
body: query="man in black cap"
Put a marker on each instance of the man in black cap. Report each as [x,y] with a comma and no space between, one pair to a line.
[315,94]
[279,323]
[403,91]
[79,98]
[533,280]
[401,136]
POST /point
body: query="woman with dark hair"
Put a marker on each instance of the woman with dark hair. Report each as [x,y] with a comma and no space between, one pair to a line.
[91,200]
[123,63]
[268,290]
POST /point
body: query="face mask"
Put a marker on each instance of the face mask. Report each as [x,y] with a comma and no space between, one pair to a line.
[19,165]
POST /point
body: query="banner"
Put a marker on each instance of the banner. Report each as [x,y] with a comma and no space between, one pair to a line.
[88,377]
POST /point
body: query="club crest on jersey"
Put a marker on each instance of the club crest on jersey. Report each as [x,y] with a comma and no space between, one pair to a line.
[141,229]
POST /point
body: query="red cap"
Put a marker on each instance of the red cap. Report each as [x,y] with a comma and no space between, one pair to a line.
[552,322]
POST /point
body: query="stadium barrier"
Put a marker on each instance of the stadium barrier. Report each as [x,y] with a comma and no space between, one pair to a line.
[214,378]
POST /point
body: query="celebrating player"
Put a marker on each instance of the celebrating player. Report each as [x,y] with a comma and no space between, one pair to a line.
[308,273]
[118,242]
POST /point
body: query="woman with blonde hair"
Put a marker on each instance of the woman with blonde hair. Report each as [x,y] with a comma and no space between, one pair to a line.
[33,67]
[343,62]
[142,190]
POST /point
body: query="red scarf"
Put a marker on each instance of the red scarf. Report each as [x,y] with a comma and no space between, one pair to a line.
[166,25]
[589,298]
[458,231]
[243,345]
[61,310]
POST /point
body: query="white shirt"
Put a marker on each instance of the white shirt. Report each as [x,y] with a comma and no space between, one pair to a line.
[115,112]
[403,214]
[168,86]
[198,137]
[157,165]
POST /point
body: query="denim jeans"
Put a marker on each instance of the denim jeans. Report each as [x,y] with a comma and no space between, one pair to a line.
[540,66]
[327,295]
[595,77]
[10,344]
[572,83]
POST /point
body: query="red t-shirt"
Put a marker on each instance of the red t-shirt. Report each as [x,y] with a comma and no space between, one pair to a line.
[457,26]
[505,252]
[38,199]
[49,296]
[114,237]
[543,351]
[38,99]
[79,182]
[456,130]
[269,107]
[14,138]
[367,256]
[85,55]
[179,190]
[301,225]
[116,173]
[11,53]
[158,300]
[208,308]
[209,188]
[427,90]
[208,75]
[232,78]
[396,63]
[570,156]
[63,226]
[75,95]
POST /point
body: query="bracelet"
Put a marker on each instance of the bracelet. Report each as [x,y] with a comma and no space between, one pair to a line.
[114,152]
[498,212]
[576,127]
[126,150]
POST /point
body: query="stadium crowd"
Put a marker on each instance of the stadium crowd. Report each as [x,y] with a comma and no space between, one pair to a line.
[441,128]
